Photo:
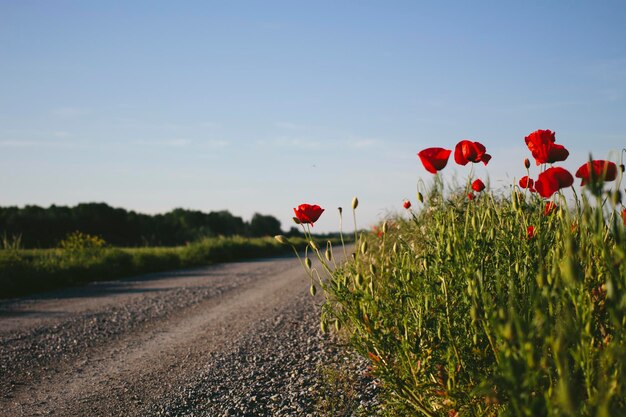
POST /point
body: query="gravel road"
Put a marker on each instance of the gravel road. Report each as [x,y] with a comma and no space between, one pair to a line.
[238,339]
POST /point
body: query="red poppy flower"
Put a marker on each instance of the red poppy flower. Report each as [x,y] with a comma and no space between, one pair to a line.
[526,182]
[550,207]
[308,213]
[468,151]
[597,170]
[544,150]
[478,185]
[624,216]
[471,196]
[552,180]
[530,232]
[434,159]
[406,204]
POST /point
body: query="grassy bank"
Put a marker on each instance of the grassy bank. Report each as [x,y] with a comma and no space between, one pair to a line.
[497,306]
[29,271]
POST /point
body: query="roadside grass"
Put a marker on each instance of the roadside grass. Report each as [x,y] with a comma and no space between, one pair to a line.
[461,310]
[83,258]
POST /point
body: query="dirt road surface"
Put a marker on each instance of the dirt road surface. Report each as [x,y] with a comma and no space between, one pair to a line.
[238,339]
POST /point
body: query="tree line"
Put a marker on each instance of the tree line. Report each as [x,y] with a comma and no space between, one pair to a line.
[39,227]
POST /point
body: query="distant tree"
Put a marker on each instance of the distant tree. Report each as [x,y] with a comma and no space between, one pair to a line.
[46,227]
[262,225]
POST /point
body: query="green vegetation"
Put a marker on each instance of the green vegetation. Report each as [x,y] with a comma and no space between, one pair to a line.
[83,258]
[466,310]
[39,227]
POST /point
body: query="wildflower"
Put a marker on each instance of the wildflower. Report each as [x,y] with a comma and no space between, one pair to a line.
[552,180]
[471,196]
[377,231]
[624,216]
[545,151]
[526,182]
[550,207]
[434,159]
[478,185]
[406,204]
[468,151]
[306,213]
[597,170]
[530,232]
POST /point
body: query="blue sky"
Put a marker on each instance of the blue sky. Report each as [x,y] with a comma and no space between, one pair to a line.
[259,106]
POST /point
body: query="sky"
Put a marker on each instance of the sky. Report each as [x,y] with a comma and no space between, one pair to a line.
[259,106]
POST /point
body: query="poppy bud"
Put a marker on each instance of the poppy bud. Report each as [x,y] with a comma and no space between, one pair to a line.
[329,255]
[527,163]
[307,262]
[296,220]
[281,239]
[355,203]
[313,290]
[621,166]
[323,326]
[617,197]
[314,245]
[358,279]
[373,269]
[340,210]
[337,325]
[384,227]
[364,248]
[395,247]
[420,197]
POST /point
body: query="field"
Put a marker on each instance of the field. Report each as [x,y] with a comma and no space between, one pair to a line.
[84,258]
